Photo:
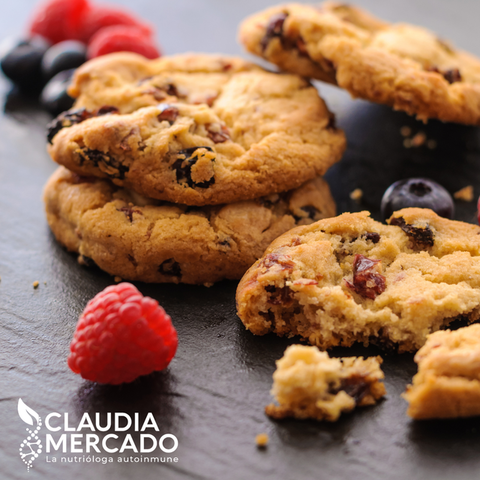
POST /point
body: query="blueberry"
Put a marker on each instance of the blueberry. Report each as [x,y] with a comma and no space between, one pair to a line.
[63,56]
[54,96]
[417,192]
[21,61]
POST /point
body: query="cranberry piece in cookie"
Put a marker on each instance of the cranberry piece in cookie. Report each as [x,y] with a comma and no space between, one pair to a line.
[367,278]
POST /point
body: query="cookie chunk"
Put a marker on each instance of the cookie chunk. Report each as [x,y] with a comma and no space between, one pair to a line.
[447,384]
[309,384]
[351,279]
[137,238]
[401,65]
[194,129]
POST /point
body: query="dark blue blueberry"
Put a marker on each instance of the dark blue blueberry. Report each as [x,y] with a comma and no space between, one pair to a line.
[63,56]
[21,61]
[54,96]
[417,192]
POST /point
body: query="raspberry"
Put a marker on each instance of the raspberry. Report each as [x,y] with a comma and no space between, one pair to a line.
[99,17]
[121,38]
[120,336]
[58,20]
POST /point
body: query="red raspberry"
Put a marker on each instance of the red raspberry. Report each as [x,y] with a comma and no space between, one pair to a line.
[58,20]
[121,38]
[120,336]
[99,17]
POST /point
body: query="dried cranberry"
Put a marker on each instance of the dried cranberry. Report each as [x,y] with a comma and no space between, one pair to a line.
[171,268]
[168,113]
[421,236]
[161,92]
[106,110]
[367,281]
[274,29]
[373,236]
[157,93]
[104,162]
[172,90]
[183,167]
[273,259]
[73,117]
[451,75]
[87,261]
[217,136]
[279,296]
[355,386]
[129,211]
[64,120]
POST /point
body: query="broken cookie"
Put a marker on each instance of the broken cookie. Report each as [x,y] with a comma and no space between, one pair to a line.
[310,384]
[351,279]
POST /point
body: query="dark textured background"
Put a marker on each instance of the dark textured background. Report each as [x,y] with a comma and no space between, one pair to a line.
[212,396]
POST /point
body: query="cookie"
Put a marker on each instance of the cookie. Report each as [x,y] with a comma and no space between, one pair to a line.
[309,384]
[137,238]
[194,129]
[447,384]
[401,65]
[351,279]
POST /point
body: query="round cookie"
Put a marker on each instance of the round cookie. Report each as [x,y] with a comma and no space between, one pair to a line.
[147,240]
[351,279]
[401,65]
[195,129]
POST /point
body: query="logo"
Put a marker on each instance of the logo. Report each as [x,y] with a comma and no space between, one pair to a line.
[131,438]
[31,447]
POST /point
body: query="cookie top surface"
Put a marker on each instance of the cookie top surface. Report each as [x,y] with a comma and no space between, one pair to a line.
[351,279]
[309,384]
[447,384]
[195,129]
[405,66]
[143,239]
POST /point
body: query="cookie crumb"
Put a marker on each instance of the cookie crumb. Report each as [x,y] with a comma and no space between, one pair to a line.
[117,279]
[357,194]
[432,144]
[261,440]
[405,131]
[465,194]
[36,283]
[419,139]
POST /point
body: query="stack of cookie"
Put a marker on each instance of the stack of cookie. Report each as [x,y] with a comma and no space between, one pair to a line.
[184,169]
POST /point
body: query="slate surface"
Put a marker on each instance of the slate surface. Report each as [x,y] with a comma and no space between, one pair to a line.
[213,394]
